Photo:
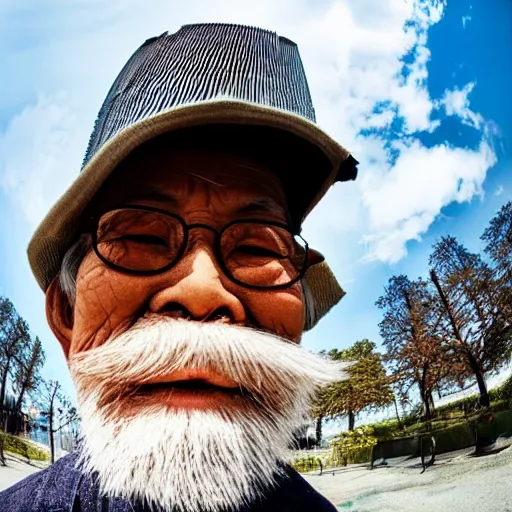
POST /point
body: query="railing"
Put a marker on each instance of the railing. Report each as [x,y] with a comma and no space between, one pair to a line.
[64,441]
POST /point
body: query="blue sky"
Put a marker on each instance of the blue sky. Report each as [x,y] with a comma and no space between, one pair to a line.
[419,92]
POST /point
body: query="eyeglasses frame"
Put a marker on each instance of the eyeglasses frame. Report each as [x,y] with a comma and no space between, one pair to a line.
[93,231]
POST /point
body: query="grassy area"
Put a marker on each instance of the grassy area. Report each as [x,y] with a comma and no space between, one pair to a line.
[23,447]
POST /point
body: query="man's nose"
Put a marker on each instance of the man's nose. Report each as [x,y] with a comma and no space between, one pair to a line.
[200,294]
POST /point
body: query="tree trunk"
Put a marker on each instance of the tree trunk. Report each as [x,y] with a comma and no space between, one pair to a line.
[2,456]
[398,419]
[424,393]
[50,435]
[19,402]
[4,382]
[318,430]
[427,413]
[482,387]
[473,363]
[17,409]
[351,420]
[51,431]
[431,402]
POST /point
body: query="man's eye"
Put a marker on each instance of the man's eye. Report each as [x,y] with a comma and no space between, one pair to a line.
[255,250]
[145,239]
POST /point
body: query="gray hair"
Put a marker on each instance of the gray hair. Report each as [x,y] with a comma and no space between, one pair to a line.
[70,265]
[76,253]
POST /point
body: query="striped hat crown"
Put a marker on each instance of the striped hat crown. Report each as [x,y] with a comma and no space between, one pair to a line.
[200,63]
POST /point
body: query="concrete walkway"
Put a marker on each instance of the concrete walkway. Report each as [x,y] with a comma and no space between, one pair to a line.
[17,469]
[457,482]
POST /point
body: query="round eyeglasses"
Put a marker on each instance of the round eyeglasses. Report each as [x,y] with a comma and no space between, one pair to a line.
[143,240]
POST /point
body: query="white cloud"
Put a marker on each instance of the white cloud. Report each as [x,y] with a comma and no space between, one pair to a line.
[499,190]
[465,20]
[456,103]
[36,152]
[404,202]
[353,54]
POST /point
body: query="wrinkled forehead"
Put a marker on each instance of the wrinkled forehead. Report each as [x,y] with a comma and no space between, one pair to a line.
[160,172]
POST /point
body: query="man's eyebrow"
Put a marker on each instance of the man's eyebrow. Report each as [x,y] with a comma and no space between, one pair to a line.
[260,205]
[256,205]
[153,194]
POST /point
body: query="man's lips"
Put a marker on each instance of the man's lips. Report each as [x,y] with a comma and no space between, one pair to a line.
[192,378]
[187,389]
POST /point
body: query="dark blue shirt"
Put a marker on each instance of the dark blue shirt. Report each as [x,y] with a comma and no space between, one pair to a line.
[64,488]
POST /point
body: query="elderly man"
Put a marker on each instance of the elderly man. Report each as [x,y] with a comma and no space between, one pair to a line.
[179,286]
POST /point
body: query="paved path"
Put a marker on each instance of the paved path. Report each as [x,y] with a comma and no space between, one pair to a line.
[457,482]
[17,468]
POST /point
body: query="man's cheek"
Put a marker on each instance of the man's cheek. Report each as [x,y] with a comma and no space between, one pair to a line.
[281,312]
[98,311]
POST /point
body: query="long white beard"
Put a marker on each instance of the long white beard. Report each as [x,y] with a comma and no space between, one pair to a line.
[187,459]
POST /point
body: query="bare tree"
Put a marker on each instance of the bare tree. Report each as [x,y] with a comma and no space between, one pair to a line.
[14,336]
[59,410]
[473,323]
[27,374]
[415,353]
[498,240]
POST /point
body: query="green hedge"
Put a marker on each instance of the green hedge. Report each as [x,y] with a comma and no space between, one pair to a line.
[498,395]
[501,425]
[24,448]
[454,438]
[385,429]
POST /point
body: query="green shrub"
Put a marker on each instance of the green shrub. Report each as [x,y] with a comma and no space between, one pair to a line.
[23,447]
[500,405]
[305,464]
[506,390]
[414,415]
[361,456]
[353,446]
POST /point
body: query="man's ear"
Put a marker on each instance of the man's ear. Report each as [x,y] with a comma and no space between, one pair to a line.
[314,257]
[59,314]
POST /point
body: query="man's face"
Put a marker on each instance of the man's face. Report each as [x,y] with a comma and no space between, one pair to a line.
[189,385]
[202,188]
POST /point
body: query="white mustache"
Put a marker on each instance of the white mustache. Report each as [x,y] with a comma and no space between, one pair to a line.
[181,459]
[156,346]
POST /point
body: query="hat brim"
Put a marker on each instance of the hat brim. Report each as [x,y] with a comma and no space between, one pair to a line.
[58,229]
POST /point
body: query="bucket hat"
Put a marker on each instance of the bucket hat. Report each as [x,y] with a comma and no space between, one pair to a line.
[203,74]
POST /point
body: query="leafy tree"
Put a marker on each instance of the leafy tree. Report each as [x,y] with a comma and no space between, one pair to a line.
[366,388]
[473,324]
[414,350]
